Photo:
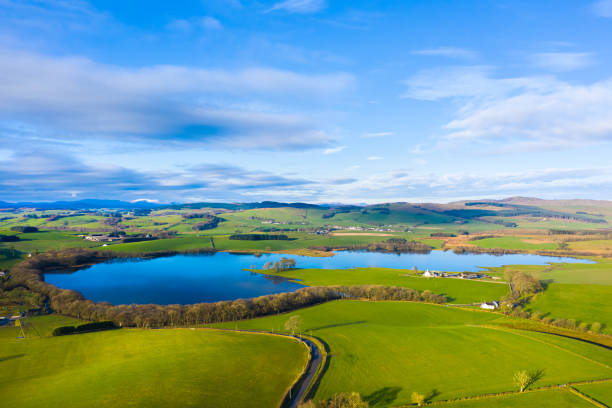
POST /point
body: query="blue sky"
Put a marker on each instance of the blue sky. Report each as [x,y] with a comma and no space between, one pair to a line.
[305,100]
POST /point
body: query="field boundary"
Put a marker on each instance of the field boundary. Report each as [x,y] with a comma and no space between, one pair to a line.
[516,332]
[586,397]
[567,386]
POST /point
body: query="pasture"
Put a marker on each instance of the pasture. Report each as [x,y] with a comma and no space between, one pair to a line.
[584,303]
[459,290]
[601,392]
[148,368]
[512,242]
[557,398]
[596,273]
[397,348]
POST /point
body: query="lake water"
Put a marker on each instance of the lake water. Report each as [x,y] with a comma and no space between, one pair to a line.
[185,279]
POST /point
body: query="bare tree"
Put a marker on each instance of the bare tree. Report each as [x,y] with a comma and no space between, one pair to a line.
[417,398]
[293,324]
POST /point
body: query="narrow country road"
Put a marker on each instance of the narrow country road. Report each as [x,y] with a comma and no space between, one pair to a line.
[316,359]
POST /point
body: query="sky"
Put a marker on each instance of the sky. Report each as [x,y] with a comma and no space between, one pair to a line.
[318,101]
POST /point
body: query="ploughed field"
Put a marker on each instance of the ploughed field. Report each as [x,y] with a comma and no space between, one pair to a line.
[145,368]
[388,350]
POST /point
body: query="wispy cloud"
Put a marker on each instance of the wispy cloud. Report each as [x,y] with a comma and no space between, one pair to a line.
[377,134]
[602,8]
[334,150]
[449,52]
[194,24]
[524,112]
[300,6]
[375,158]
[562,61]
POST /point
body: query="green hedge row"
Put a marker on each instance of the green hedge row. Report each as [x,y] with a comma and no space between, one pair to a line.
[86,327]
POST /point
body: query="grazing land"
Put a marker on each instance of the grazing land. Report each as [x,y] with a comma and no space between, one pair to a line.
[584,303]
[385,351]
[147,368]
[545,398]
[601,392]
[405,347]
[458,290]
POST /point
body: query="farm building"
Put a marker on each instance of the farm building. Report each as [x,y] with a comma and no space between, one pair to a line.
[489,305]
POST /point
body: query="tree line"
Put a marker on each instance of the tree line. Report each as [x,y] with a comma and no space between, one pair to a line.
[259,237]
[29,274]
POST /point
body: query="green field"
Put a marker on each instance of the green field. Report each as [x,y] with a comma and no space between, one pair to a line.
[584,303]
[601,392]
[148,368]
[547,398]
[410,347]
[596,273]
[511,243]
[459,290]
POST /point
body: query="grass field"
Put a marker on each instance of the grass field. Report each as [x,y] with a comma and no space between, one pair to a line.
[601,392]
[148,368]
[596,273]
[297,241]
[585,303]
[461,291]
[399,348]
[547,398]
[512,243]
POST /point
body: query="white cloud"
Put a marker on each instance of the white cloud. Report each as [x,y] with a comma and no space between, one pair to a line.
[211,23]
[300,6]
[377,134]
[77,97]
[334,150]
[375,158]
[469,82]
[603,8]
[179,25]
[522,112]
[194,24]
[562,61]
[449,52]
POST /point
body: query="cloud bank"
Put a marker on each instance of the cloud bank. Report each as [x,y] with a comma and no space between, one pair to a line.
[79,97]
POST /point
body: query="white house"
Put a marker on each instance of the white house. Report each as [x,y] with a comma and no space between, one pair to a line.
[489,305]
[430,274]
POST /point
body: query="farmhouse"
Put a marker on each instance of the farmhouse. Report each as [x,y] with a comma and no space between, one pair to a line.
[431,274]
[489,305]
[101,238]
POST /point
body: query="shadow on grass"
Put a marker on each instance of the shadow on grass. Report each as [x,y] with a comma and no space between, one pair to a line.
[14,356]
[382,397]
[337,325]
[534,376]
[432,394]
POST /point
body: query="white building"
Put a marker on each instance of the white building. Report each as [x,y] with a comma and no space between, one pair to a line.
[489,305]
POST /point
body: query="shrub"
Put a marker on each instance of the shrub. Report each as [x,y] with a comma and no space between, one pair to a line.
[26,228]
[9,238]
[82,328]
[596,327]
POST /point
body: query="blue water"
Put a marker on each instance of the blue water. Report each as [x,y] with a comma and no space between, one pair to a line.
[185,279]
